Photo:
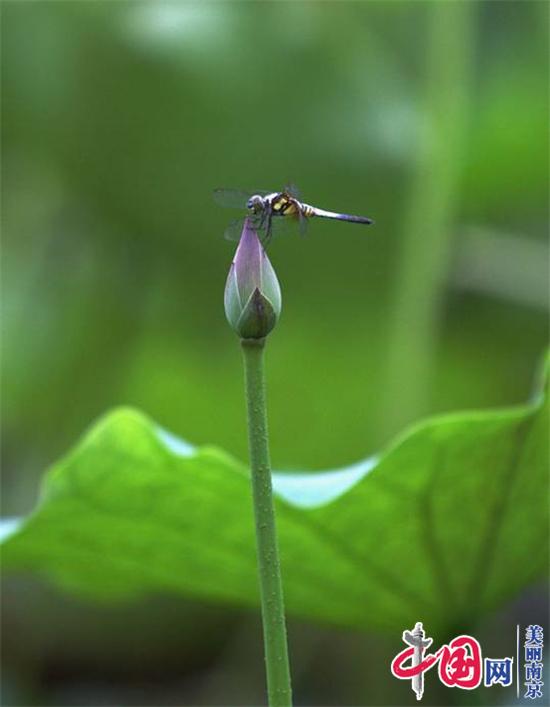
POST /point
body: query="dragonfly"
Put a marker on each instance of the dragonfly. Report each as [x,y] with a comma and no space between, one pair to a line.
[274,212]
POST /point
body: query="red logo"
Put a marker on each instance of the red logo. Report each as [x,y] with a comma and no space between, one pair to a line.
[460,663]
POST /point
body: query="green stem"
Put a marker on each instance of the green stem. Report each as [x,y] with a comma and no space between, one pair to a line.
[271,589]
[423,264]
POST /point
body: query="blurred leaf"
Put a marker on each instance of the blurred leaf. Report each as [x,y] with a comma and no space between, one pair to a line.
[442,527]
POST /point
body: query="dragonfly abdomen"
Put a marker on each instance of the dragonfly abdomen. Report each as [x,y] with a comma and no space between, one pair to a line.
[336,216]
[308,211]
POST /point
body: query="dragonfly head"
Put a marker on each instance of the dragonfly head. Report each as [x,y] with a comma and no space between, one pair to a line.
[255,204]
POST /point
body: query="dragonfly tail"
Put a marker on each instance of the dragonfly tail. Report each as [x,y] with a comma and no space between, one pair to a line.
[321,213]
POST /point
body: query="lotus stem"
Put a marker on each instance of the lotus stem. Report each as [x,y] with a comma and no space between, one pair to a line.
[271,589]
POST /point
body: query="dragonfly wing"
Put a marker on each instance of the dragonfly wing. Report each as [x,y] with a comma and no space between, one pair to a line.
[234,230]
[235,198]
[285,226]
[260,223]
[292,190]
[231,198]
[268,227]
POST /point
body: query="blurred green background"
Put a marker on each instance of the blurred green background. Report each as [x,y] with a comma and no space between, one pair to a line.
[119,119]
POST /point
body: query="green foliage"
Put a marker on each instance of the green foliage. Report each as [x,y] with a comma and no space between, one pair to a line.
[120,118]
[439,526]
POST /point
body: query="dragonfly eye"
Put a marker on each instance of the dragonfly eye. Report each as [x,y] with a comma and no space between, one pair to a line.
[254,203]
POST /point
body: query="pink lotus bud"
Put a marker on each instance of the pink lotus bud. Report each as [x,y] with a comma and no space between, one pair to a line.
[252,297]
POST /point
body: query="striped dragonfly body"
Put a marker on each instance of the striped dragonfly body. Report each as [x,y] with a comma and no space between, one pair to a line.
[272,211]
[350,218]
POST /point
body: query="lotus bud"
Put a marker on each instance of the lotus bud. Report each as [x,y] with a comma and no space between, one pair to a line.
[252,297]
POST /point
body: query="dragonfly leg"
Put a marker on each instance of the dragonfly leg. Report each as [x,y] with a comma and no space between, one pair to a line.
[268,229]
[265,225]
